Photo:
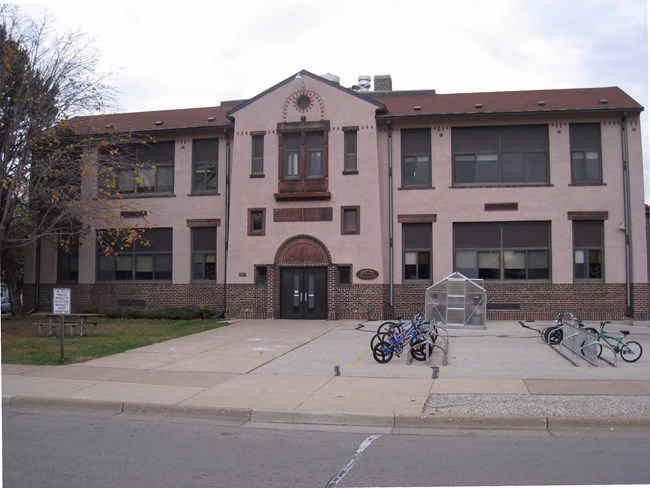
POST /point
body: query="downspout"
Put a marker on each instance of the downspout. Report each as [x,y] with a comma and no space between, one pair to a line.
[391,259]
[629,306]
[226,226]
[37,283]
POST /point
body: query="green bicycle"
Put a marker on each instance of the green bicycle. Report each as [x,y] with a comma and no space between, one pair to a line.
[630,351]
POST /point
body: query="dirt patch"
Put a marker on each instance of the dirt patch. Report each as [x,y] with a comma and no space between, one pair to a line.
[18,326]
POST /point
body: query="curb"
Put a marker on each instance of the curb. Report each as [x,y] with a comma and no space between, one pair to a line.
[240,416]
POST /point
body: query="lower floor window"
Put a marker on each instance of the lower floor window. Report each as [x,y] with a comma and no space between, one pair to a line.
[417,241]
[503,251]
[204,253]
[147,258]
[588,250]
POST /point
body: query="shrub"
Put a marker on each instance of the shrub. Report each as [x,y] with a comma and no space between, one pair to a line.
[169,313]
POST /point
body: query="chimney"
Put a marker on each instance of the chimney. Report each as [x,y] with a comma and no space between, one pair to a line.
[383,83]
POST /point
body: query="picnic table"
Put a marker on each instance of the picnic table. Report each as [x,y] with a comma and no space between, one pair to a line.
[73,320]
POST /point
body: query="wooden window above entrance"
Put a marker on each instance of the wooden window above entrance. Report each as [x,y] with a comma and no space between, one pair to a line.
[303,161]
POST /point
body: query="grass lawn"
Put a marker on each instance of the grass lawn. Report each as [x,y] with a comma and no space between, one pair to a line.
[22,345]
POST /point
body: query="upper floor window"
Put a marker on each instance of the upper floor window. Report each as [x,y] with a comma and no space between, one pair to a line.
[205,157]
[303,158]
[416,157]
[144,168]
[256,221]
[503,250]
[588,250]
[586,165]
[350,151]
[484,155]
[148,258]
[257,154]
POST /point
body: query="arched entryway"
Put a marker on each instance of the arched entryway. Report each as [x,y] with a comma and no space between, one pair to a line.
[303,265]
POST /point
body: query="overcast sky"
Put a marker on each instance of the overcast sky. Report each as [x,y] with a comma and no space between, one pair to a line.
[168,55]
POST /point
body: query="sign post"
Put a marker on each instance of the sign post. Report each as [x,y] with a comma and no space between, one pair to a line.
[62,305]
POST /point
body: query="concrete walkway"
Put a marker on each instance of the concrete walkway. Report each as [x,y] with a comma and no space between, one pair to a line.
[322,372]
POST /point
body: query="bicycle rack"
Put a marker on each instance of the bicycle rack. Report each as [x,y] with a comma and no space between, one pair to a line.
[610,348]
[579,342]
[444,348]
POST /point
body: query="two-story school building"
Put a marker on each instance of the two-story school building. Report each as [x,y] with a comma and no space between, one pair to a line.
[315,201]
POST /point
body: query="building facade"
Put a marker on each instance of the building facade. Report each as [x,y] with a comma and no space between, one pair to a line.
[315,201]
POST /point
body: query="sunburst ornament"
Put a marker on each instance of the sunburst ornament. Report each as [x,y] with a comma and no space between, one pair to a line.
[303,102]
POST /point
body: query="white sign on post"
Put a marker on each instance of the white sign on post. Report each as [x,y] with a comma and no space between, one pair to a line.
[62,301]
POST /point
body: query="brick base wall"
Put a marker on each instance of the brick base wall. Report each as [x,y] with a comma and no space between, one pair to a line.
[522,301]
[116,295]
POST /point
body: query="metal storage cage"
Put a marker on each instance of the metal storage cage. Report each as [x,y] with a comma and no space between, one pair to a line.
[457,302]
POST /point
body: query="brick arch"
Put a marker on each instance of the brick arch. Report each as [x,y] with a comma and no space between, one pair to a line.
[303,250]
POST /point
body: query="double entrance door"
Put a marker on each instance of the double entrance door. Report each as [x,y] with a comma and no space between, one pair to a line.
[303,293]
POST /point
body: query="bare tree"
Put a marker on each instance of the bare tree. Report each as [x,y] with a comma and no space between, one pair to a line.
[47,82]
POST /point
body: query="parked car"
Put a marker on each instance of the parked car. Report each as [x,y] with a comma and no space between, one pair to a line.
[6,305]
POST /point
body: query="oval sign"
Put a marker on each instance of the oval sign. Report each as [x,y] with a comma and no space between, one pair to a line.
[367,274]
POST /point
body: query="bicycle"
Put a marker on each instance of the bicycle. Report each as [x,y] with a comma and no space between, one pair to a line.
[386,344]
[630,351]
[395,328]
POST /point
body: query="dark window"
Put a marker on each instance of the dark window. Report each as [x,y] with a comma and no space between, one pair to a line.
[586,165]
[67,263]
[261,275]
[149,259]
[416,239]
[344,275]
[204,253]
[350,151]
[143,169]
[256,222]
[416,157]
[503,251]
[205,155]
[257,163]
[500,154]
[588,250]
[350,222]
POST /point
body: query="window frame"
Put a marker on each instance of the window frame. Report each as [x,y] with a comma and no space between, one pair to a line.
[350,150]
[66,261]
[480,155]
[205,164]
[419,251]
[408,153]
[587,250]
[257,154]
[204,254]
[294,179]
[344,223]
[252,212]
[494,242]
[578,145]
[132,254]
[136,170]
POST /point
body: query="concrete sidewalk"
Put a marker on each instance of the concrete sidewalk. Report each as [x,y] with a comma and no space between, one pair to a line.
[285,371]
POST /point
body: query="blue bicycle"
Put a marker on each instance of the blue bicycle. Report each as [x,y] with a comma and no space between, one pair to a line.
[393,338]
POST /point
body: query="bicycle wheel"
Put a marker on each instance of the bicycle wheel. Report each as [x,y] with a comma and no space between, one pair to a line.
[433,331]
[555,336]
[386,327]
[382,352]
[419,350]
[631,351]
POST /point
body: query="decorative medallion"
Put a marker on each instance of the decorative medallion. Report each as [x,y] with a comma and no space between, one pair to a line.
[303,103]
[367,274]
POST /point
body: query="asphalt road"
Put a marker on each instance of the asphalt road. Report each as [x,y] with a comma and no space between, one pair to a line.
[59,449]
